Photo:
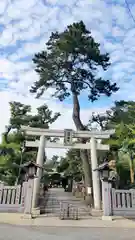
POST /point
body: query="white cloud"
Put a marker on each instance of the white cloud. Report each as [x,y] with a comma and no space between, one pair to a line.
[121,15]
[118,76]
[24,7]
[29,49]
[60,2]
[25,27]
[117,32]
[3,5]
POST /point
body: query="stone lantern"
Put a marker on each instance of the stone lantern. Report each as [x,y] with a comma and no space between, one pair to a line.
[29,170]
[108,177]
[103,170]
[107,172]
[29,174]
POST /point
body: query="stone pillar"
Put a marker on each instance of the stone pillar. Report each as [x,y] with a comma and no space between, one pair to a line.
[40,162]
[28,197]
[106,198]
[95,175]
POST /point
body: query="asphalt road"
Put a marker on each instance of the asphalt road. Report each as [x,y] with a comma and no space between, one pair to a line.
[8,232]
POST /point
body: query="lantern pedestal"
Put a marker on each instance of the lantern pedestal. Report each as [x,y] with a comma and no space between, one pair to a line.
[29,196]
[106,197]
[29,210]
[36,193]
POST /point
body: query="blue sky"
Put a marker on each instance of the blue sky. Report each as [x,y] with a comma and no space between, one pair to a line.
[25,27]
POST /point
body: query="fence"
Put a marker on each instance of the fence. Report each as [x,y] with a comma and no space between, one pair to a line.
[117,202]
[123,202]
[13,198]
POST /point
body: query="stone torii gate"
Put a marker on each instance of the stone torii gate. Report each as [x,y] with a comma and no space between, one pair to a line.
[69,135]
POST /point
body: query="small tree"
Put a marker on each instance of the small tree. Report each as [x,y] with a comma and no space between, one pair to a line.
[120,117]
[71,164]
[69,65]
[10,148]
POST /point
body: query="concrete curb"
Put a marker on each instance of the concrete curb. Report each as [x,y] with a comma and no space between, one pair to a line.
[21,220]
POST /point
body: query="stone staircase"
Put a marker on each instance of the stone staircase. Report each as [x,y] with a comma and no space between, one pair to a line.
[53,205]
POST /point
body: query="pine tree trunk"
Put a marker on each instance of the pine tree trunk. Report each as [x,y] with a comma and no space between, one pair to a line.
[83,153]
[6,134]
[131,170]
[131,175]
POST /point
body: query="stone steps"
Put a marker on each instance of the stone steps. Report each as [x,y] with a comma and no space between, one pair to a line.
[53,203]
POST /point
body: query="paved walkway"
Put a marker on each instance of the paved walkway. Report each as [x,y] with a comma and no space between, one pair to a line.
[8,232]
[92,222]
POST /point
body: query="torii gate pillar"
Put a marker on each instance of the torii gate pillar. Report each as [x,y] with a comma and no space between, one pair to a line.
[95,174]
[40,162]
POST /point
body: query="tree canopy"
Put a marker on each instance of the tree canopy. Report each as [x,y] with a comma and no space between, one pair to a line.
[70,65]
[71,164]
[11,146]
[120,117]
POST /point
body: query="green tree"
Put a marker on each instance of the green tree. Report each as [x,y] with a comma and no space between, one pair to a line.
[55,161]
[71,164]
[52,163]
[122,111]
[63,165]
[10,148]
[69,65]
[121,117]
[21,115]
